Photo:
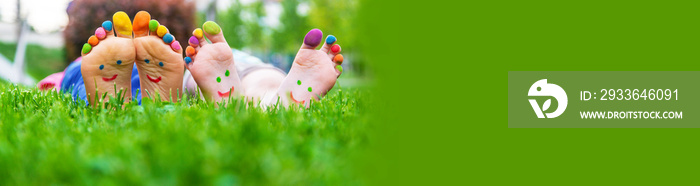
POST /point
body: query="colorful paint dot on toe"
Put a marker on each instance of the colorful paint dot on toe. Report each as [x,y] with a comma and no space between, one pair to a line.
[198,33]
[339,68]
[338,58]
[147,61]
[93,40]
[330,39]
[188,60]
[102,67]
[161,31]
[153,25]
[335,48]
[313,38]
[190,50]
[168,38]
[119,62]
[160,63]
[218,79]
[175,45]
[309,89]
[193,41]
[100,33]
[298,82]
[86,48]
[211,27]
[122,23]
[107,25]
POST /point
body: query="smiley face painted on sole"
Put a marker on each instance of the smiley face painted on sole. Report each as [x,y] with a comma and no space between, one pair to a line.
[225,93]
[300,101]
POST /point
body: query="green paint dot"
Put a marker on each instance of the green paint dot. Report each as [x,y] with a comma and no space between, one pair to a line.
[227,73]
[218,79]
[298,82]
[309,89]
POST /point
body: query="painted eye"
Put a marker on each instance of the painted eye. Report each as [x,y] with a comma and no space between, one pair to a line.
[160,63]
[119,62]
[147,61]
[102,67]
[227,73]
[309,89]
[298,82]
[218,79]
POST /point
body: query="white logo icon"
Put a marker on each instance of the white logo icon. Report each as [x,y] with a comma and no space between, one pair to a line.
[542,88]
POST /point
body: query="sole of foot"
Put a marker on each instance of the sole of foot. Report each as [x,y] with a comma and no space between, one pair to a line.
[313,73]
[158,59]
[212,65]
[107,60]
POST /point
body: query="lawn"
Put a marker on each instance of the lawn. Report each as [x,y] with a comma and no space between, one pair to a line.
[47,138]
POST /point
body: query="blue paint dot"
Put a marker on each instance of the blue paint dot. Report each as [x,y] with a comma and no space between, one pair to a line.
[330,39]
[147,61]
[107,25]
[168,38]
[160,63]
[119,62]
[102,67]
[188,60]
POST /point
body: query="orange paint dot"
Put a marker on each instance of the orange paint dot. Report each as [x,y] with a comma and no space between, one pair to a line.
[93,40]
[190,50]
[338,58]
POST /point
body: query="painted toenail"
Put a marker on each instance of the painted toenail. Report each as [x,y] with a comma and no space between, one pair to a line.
[93,40]
[175,45]
[218,79]
[339,68]
[168,38]
[122,23]
[335,48]
[309,89]
[153,25]
[211,27]
[197,33]
[188,60]
[107,25]
[298,82]
[227,73]
[119,62]
[193,41]
[161,31]
[147,61]
[338,58]
[330,39]
[190,50]
[160,63]
[100,33]
[313,38]
[86,48]
[102,67]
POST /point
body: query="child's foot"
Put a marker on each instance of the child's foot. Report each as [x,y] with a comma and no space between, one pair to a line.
[158,59]
[108,60]
[211,64]
[313,72]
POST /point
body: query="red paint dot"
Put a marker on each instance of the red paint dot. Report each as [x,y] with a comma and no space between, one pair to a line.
[335,48]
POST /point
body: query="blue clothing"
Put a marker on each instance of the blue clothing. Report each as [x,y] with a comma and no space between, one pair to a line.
[73,83]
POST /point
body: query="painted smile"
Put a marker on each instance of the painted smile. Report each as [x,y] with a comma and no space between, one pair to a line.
[225,94]
[110,79]
[156,80]
[292,96]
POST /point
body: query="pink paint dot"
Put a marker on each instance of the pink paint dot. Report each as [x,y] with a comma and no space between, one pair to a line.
[175,45]
[100,33]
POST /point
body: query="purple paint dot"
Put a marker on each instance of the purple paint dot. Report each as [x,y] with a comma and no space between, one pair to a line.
[313,38]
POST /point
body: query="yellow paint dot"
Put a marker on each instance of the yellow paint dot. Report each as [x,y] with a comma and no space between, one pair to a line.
[161,31]
[122,23]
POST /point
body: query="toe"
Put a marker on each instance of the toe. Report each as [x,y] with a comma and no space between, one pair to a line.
[175,45]
[86,49]
[335,50]
[168,38]
[193,41]
[338,59]
[190,51]
[312,39]
[153,26]
[93,40]
[330,40]
[122,24]
[101,33]
[141,23]
[161,31]
[213,32]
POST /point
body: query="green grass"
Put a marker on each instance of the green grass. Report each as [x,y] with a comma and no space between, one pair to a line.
[39,61]
[46,138]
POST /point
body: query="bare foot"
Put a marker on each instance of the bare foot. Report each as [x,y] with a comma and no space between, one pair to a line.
[158,59]
[313,72]
[108,60]
[211,64]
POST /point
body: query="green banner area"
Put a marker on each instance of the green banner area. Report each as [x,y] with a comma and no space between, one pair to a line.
[603,99]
